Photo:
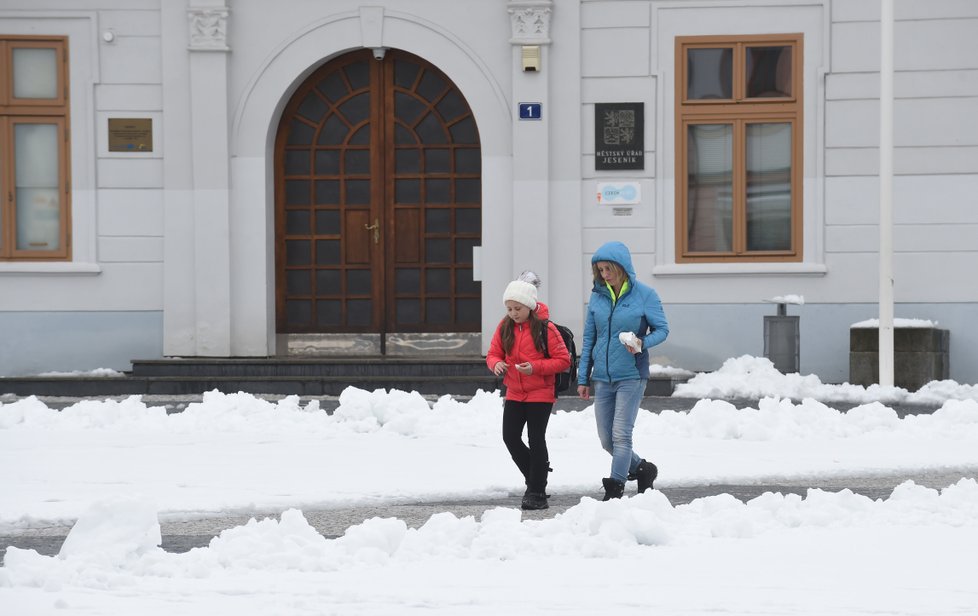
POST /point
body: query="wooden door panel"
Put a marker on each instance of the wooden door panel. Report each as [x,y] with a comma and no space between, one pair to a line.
[358,238]
[435,146]
[407,231]
[391,144]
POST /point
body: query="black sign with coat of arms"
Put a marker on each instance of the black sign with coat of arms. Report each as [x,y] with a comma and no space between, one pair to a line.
[619,130]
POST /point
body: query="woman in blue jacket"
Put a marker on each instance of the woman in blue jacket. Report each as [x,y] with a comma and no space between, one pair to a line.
[624,319]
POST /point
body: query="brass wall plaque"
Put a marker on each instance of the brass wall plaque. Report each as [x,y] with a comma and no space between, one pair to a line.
[130,134]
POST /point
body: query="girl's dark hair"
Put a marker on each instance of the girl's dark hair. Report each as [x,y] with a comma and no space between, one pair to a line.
[507,325]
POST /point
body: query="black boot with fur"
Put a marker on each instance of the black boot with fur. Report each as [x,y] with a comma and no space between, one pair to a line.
[646,472]
[612,488]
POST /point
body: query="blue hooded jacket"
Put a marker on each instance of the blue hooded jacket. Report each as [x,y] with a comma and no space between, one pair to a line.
[638,310]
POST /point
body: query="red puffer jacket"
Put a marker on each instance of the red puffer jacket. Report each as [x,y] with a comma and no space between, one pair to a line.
[538,386]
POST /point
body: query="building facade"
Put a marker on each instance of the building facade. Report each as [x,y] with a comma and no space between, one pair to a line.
[238,178]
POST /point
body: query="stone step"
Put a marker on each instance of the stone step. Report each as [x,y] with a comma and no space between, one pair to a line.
[284,385]
[317,367]
[89,386]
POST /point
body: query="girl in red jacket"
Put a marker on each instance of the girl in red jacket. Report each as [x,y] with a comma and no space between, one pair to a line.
[517,354]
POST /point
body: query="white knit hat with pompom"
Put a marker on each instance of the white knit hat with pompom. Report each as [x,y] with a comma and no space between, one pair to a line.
[522,292]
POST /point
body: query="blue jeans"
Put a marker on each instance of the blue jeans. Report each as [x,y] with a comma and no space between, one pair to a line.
[615,410]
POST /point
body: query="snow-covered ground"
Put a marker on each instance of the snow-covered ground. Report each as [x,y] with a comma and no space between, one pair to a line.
[118,467]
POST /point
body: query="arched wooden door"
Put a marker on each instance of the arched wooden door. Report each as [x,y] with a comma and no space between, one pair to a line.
[377,201]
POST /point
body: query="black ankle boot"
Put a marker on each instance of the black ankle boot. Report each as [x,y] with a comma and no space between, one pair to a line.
[646,474]
[612,488]
[534,500]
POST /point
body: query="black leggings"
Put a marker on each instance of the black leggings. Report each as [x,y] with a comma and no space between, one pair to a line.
[533,461]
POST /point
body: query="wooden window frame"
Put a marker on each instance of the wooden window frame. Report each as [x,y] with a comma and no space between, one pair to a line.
[15,111]
[738,112]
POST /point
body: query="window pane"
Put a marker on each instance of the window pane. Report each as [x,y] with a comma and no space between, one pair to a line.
[35,73]
[297,222]
[296,162]
[358,192]
[328,283]
[358,282]
[357,109]
[768,72]
[407,108]
[468,220]
[463,250]
[438,191]
[408,311]
[468,160]
[769,186]
[296,192]
[358,161]
[329,313]
[465,131]
[464,284]
[313,108]
[298,312]
[328,222]
[437,220]
[431,86]
[468,310]
[298,252]
[709,160]
[438,311]
[438,280]
[407,161]
[438,251]
[359,312]
[327,252]
[709,73]
[333,132]
[298,282]
[328,162]
[431,130]
[36,186]
[327,192]
[407,191]
[437,160]
[407,281]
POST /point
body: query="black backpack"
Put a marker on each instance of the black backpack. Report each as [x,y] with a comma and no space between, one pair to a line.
[563,380]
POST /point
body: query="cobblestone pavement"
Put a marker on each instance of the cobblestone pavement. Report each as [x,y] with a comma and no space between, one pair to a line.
[183,535]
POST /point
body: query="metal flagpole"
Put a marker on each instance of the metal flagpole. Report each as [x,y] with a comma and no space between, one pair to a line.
[886,195]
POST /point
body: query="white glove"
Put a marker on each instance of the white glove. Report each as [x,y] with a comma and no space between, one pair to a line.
[629,339]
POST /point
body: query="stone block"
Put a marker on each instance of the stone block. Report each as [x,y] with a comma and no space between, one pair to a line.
[920,355]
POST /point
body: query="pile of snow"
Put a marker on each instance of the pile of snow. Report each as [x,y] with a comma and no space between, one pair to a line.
[112,469]
[111,559]
[753,378]
[875,323]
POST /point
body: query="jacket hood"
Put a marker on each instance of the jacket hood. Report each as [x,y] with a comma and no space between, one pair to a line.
[617,252]
[542,311]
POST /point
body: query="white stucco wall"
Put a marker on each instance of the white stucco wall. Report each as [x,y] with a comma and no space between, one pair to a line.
[178,242]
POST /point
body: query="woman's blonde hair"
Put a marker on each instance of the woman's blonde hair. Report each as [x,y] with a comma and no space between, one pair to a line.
[615,266]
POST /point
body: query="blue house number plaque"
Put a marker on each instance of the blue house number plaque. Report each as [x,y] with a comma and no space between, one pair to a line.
[531,111]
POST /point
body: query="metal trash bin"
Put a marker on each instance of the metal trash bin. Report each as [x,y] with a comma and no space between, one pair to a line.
[781,340]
